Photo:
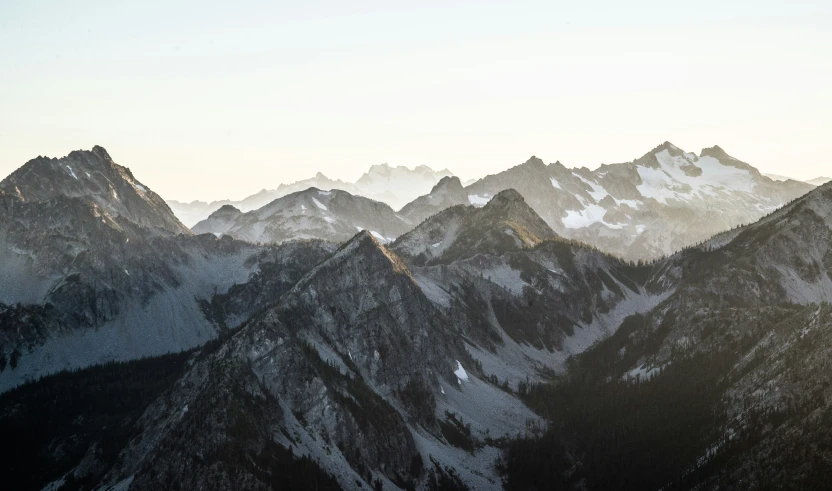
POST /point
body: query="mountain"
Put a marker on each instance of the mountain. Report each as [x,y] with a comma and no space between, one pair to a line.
[330,215]
[357,370]
[395,186]
[723,379]
[399,185]
[480,349]
[446,193]
[505,223]
[819,181]
[94,267]
[778,177]
[91,177]
[645,209]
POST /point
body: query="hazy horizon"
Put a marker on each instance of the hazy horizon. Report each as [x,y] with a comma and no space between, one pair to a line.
[202,103]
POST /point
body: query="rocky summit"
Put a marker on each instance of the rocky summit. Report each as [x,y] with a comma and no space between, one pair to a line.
[472,340]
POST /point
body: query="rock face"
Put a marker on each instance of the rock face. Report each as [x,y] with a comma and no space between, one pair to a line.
[312,214]
[95,267]
[448,192]
[395,186]
[90,177]
[645,209]
[741,341]
[353,366]
[412,365]
[505,223]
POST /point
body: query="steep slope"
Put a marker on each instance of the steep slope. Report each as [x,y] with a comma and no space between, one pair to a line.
[330,215]
[505,223]
[359,371]
[731,363]
[92,177]
[524,299]
[219,222]
[448,192]
[395,186]
[95,267]
[645,209]
[399,185]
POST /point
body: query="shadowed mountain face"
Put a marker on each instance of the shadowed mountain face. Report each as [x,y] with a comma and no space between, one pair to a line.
[648,208]
[90,177]
[415,363]
[95,267]
[354,363]
[395,186]
[329,215]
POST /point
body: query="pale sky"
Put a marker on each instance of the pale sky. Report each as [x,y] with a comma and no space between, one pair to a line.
[205,100]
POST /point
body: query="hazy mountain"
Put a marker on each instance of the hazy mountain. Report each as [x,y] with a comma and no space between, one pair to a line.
[95,267]
[418,366]
[395,186]
[731,363]
[505,223]
[819,181]
[353,367]
[651,207]
[778,177]
[448,192]
[330,215]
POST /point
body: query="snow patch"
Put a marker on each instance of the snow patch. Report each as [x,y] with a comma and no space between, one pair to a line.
[319,204]
[477,200]
[461,374]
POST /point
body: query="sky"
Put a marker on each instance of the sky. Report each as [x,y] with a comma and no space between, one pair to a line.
[205,100]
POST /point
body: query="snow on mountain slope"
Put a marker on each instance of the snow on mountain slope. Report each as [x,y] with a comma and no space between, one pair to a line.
[664,201]
[395,186]
[95,267]
[505,223]
[94,177]
[355,370]
[330,215]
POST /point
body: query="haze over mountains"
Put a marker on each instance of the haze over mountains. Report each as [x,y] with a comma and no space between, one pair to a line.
[494,335]
[660,203]
[395,186]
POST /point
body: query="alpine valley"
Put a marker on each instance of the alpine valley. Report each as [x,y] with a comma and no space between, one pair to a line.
[663,323]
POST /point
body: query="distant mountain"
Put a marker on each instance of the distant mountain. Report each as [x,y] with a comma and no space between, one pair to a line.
[329,215]
[467,342]
[741,341]
[395,186]
[448,192]
[819,181]
[505,223]
[94,267]
[778,177]
[353,367]
[651,207]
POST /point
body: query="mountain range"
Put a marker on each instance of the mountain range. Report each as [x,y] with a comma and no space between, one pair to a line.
[395,186]
[658,204]
[520,332]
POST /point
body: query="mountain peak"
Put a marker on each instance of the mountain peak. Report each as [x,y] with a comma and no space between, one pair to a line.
[535,162]
[227,210]
[505,197]
[447,183]
[101,153]
[716,152]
